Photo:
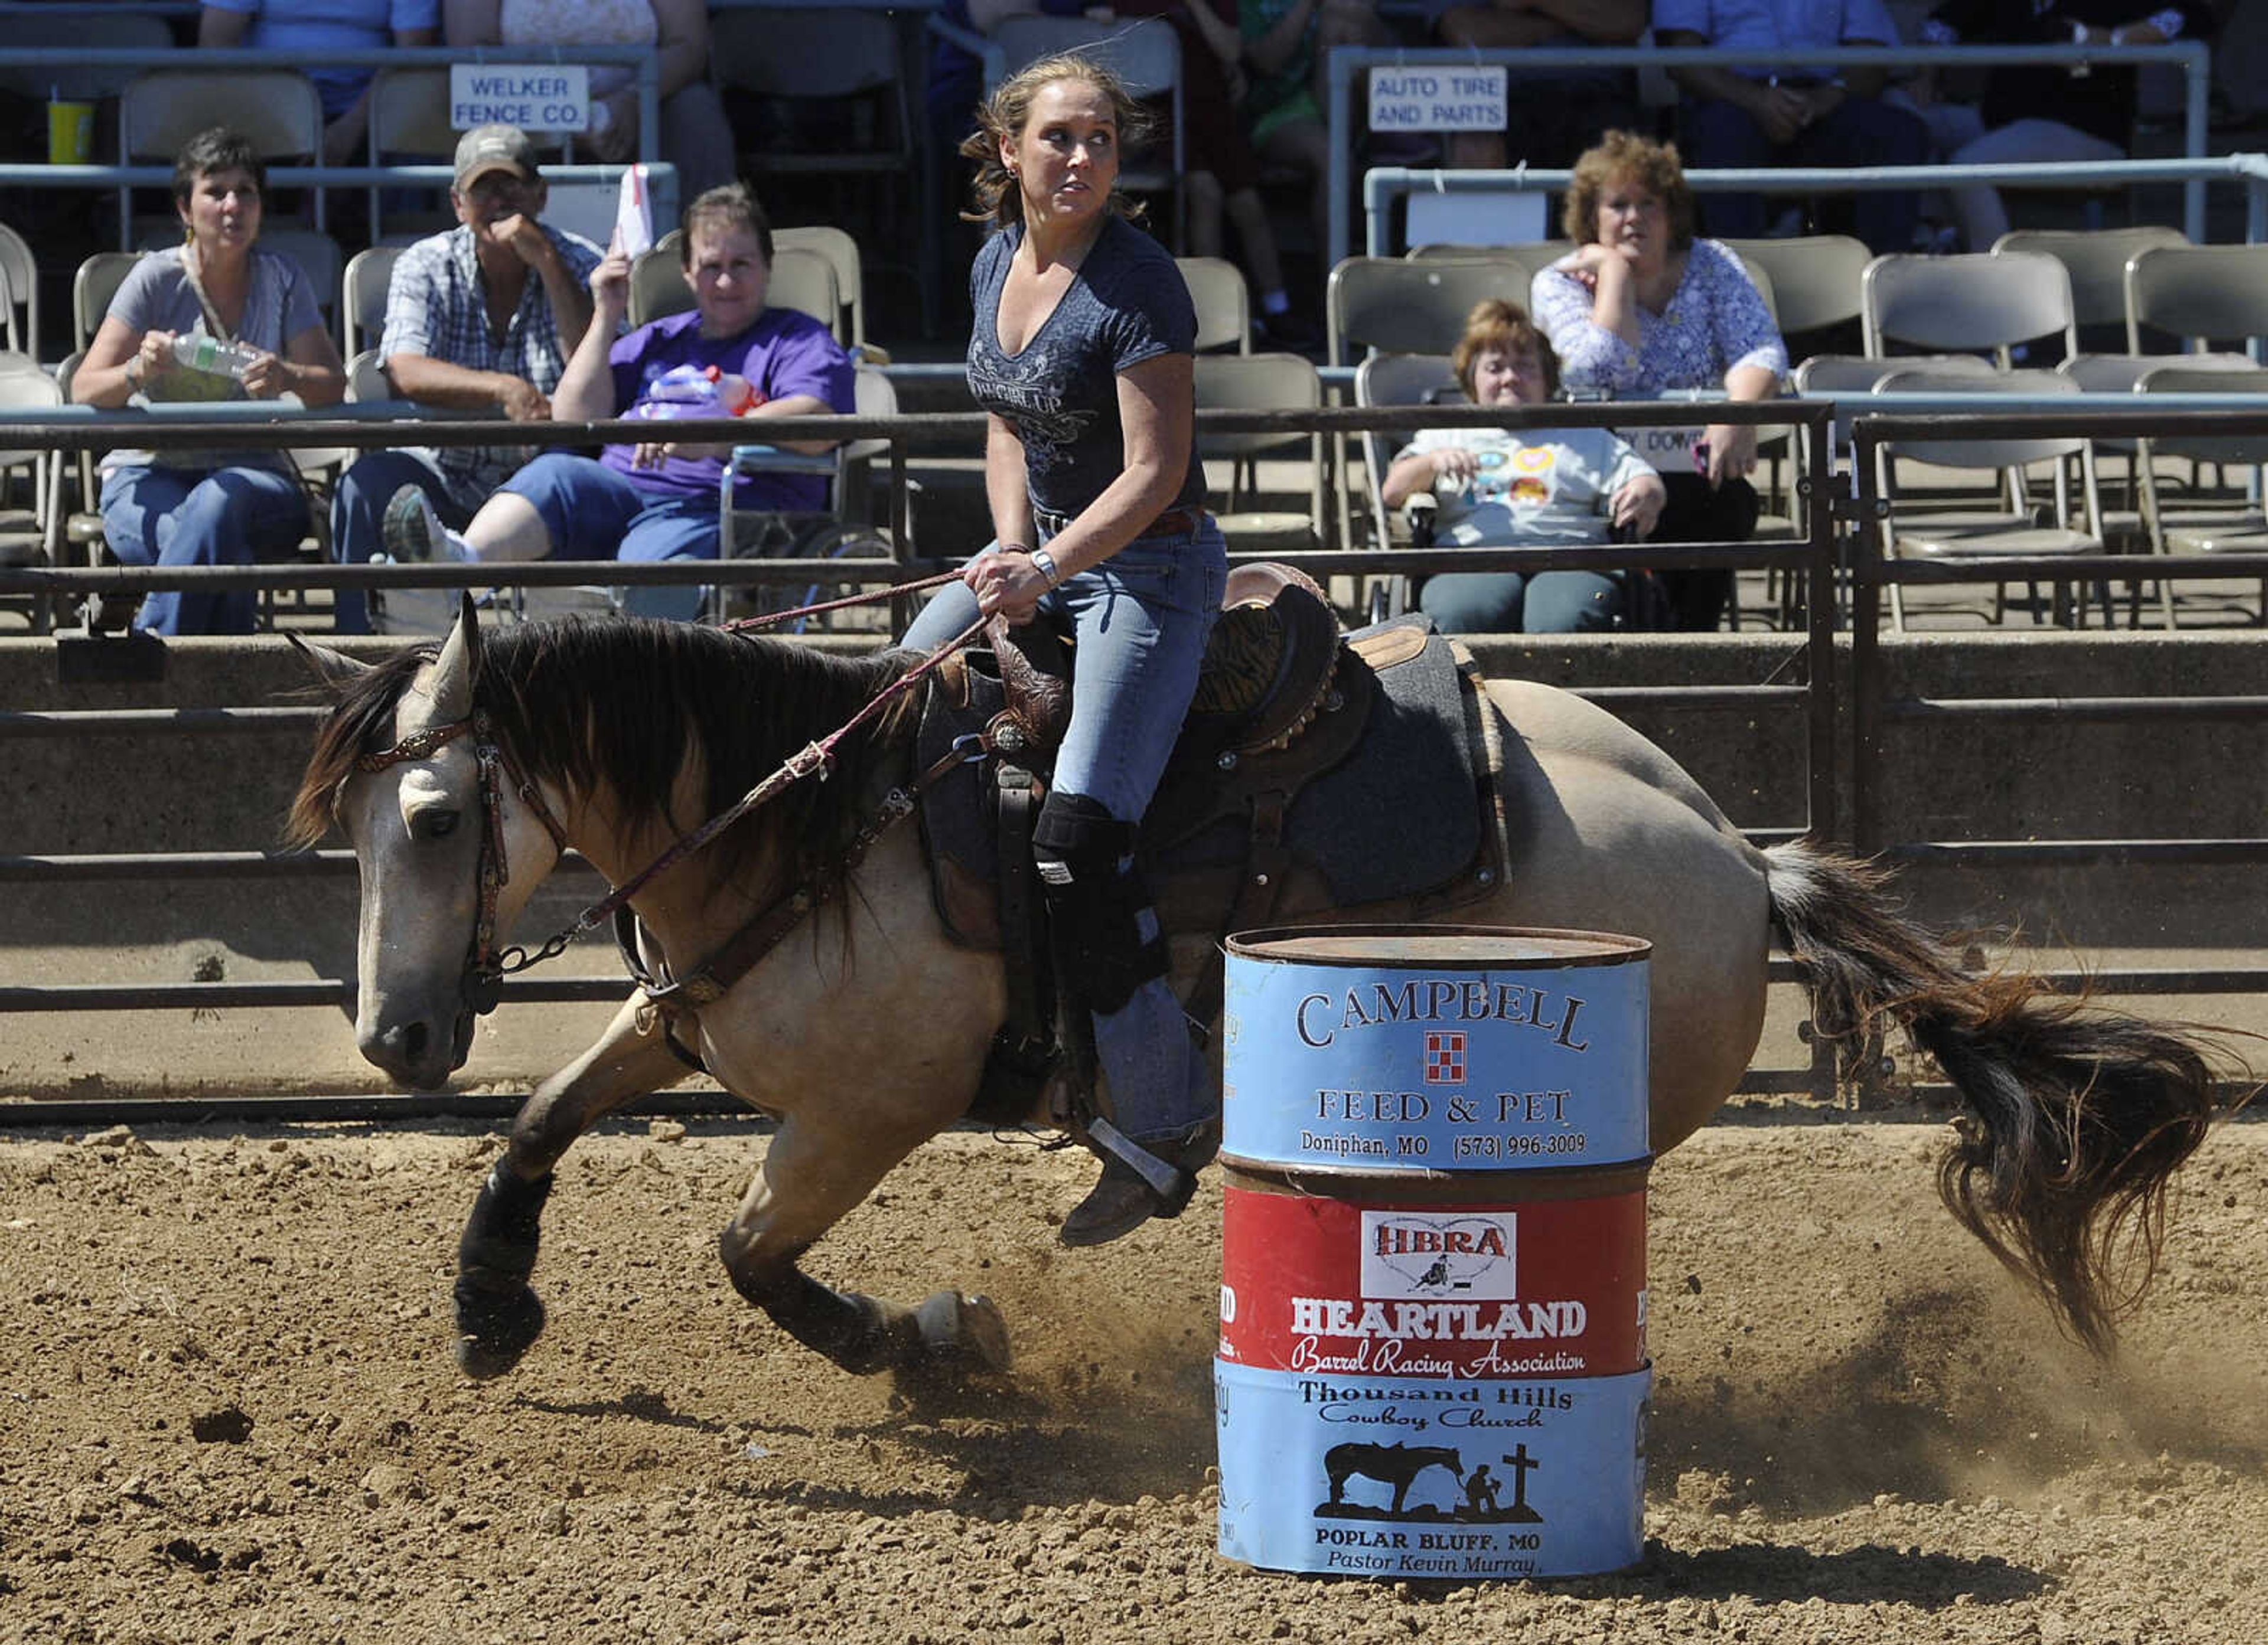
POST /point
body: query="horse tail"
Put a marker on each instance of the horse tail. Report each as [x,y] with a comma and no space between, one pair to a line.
[2077,1119]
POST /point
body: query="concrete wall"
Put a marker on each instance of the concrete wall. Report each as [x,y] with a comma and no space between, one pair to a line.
[1970,780]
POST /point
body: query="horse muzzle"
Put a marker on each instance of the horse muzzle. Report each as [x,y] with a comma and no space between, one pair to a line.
[420,1050]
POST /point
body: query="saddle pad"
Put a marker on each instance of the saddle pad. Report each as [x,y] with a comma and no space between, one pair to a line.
[1401,815]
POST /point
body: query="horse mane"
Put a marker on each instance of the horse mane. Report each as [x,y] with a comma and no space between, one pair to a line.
[582,703]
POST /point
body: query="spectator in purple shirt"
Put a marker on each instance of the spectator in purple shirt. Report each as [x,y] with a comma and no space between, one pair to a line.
[1741,116]
[656,499]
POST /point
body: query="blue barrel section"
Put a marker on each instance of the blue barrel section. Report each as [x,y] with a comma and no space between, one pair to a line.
[1443,1048]
[1391,1476]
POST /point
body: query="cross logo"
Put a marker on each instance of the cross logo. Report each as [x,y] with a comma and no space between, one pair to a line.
[1445,1057]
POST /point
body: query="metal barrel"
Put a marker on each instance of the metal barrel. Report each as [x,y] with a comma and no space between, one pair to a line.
[1432,1345]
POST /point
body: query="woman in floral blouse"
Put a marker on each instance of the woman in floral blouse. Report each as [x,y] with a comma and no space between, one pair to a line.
[1641,308]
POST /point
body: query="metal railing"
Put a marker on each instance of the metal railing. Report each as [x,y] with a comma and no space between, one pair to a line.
[1347,64]
[1812,559]
[1874,713]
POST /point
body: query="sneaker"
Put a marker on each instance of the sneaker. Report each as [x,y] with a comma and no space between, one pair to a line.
[413,530]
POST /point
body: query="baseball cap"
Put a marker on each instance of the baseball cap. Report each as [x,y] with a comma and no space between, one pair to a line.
[495,149]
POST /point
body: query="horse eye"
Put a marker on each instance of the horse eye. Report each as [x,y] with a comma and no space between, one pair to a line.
[434,824]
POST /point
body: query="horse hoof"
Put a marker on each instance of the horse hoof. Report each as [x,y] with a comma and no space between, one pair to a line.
[496,1335]
[963,1333]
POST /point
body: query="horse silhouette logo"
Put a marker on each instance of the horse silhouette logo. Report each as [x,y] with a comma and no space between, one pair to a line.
[1397,1465]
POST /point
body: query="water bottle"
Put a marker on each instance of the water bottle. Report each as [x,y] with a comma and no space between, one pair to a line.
[202,353]
[697,391]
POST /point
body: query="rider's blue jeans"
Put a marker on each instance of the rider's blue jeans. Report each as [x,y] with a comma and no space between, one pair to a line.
[1140,620]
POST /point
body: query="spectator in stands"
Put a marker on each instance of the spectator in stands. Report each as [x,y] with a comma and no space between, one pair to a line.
[1525,488]
[2041,112]
[1552,114]
[1220,172]
[955,91]
[482,318]
[1641,307]
[1776,115]
[657,499]
[696,136]
[1287,45]
[191,508]
[326,24]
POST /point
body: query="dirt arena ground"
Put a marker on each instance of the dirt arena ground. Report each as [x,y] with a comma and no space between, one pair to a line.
[227,1414]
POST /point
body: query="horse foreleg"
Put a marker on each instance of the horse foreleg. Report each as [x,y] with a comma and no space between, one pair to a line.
[498,1313]
[806,1185]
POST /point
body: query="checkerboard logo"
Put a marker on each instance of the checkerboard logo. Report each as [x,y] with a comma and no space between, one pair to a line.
[1445,1057]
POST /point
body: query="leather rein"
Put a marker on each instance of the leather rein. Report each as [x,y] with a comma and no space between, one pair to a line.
[486,966]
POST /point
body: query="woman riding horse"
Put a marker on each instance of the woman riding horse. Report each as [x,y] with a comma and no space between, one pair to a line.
[1084,353]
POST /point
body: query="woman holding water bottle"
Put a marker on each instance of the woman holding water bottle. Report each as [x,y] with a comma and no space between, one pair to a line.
[216,320]
[1641,308]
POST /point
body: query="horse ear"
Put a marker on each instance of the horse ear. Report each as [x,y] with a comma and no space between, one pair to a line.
[447,684]
[334,670]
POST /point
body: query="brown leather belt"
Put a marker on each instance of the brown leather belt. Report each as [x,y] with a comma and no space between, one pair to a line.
[1173,522]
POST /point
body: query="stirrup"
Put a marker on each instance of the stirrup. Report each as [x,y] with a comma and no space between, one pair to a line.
[1137,1185]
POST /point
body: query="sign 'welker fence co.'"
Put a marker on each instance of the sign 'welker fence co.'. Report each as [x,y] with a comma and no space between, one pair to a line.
[535,97]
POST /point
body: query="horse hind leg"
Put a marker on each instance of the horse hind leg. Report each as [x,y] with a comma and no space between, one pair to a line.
[498,1314]
[804,1188]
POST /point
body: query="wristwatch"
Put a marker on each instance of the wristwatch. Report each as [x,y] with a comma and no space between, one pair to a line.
[1045,564]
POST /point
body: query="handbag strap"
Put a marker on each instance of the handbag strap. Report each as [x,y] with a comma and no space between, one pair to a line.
[218,328]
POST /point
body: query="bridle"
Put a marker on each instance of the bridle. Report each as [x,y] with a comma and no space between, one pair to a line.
[485,968]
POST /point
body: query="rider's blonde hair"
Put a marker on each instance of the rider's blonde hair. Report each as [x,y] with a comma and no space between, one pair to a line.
[1003,116]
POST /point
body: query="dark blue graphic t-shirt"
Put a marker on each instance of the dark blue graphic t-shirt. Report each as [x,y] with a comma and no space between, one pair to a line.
[1127,304]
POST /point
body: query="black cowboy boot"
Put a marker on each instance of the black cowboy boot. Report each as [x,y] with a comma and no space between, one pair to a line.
[1129,1193]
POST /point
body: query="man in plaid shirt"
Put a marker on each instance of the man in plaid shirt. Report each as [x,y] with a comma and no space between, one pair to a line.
[481,317]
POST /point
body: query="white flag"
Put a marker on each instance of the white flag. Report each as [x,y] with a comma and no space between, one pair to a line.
[634,213]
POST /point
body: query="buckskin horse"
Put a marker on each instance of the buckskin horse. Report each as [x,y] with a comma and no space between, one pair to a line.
[460,774]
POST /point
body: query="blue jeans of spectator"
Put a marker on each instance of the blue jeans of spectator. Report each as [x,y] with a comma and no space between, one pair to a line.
[1858,131]
[1506,602]
[592,512]
[187,517]
[1140,622]
[358,515]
